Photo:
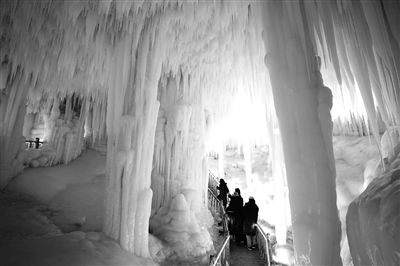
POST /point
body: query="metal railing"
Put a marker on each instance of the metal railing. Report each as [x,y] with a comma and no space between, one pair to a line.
[33,143]
[264,245]
[213,182]
[222,258]
[217,207]
[214,204]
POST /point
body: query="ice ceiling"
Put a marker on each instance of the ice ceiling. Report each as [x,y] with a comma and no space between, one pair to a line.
[173,68]
[64,47]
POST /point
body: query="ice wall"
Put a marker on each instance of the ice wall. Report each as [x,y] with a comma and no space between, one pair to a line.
[12,114]
[62,131]
[373,219]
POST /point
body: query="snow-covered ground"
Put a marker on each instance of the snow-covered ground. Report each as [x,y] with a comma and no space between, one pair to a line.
[74,192]
[52,216]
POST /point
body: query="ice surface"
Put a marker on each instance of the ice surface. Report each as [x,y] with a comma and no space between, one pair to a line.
[357,161]
[75,192]
[373,220]
[183,226]
[34,229]
[76,248]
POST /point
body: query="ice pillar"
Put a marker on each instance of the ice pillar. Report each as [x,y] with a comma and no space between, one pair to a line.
[132,109]
[179,150]
[312,189]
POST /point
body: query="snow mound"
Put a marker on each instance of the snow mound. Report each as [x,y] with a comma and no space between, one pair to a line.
[184,230]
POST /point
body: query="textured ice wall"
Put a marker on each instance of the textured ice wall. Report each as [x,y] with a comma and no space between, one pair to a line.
[373,219]
[63,133]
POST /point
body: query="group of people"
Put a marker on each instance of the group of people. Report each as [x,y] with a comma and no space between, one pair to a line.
[242,219]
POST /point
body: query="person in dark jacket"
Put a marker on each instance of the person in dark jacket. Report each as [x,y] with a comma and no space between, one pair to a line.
[235,212]
[250,213]
[223,192]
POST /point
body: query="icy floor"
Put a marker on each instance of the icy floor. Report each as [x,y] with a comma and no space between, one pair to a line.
[54,222]
[74,192]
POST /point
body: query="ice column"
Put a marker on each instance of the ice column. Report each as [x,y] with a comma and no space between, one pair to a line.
[312,191]
[132,108]
[179,150]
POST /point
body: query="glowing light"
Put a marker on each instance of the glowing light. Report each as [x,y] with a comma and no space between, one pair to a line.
[245,121]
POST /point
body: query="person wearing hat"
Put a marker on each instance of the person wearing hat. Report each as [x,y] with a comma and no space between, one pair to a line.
[250,212]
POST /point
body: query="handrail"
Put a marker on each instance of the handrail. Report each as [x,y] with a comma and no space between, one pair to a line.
[37,143]
[214,202]
[223,255]
[213,182]
[263,245]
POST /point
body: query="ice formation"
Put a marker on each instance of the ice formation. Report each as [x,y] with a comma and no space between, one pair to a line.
[183,226]
[373,219]
[156,76]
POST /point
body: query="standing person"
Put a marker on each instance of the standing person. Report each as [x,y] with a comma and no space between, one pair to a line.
[235,211]
[250,211]
[223,192]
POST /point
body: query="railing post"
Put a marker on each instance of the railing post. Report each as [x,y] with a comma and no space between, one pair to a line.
[269,255]
[37,143]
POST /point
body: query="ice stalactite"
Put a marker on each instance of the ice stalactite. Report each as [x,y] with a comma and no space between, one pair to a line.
[315,221]
[95,123]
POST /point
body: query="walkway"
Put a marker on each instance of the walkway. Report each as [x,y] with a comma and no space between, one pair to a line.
[241,256]
[236,255]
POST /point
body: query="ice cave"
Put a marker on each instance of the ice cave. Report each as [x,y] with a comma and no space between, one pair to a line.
[118,118]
